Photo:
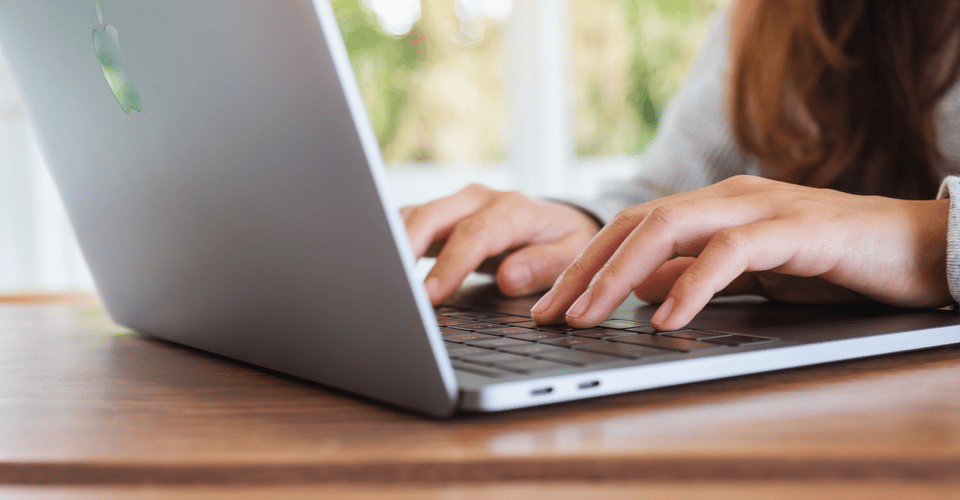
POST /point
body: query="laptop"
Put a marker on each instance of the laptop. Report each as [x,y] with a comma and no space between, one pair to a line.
[228,193]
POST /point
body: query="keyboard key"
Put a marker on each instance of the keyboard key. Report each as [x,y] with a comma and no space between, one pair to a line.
[535,336]
[467,336]
[622,324]
[577,358]
[649,329]
[450,331]
[599,333]
[693,334]
[531,349]
[628,351]
[671,343]
[734,340]
[511,319]
[463,351]
[561,328]
[494,358]
[570,341]
[450,321]
[476,314]
[526,324]
[496,342]
[477,326]
[505,330]
[533,366]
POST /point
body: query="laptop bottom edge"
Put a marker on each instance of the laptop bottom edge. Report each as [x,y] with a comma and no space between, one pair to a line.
[499,396]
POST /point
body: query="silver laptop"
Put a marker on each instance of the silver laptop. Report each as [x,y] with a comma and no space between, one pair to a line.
[229,195]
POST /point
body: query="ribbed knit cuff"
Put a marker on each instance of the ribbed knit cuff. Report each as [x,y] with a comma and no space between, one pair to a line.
[950,188]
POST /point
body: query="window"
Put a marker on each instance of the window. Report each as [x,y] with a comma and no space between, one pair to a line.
[538,95]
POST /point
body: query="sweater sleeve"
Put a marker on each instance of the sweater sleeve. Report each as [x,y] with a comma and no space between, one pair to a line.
[694,145]
[950,188]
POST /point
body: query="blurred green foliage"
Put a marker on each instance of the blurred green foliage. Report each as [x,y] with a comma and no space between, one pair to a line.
[629,57]
[383,64]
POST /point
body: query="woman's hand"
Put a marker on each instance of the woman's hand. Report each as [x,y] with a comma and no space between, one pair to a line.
[477,223]
[798,243]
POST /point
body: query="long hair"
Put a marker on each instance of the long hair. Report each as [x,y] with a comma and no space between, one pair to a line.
[843,93]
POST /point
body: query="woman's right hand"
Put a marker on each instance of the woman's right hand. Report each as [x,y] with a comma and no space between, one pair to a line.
[477,223]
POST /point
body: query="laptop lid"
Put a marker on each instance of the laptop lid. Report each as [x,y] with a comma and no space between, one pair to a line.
[226,188]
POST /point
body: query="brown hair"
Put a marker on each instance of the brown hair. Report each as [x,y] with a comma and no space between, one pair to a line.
[842,93]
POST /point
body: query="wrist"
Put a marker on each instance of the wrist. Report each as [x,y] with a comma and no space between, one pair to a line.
[949,193]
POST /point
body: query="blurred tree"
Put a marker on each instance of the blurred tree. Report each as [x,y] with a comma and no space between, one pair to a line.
[629,57]
[437,94]
[384,65]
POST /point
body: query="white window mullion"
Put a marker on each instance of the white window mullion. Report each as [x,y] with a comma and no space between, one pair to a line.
[539,62]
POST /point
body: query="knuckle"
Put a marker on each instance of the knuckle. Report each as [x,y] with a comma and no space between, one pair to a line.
[697,281]
[626,218]
[576,271]
[576,268]
[767,198]
[473,228]
[689,279]
[693,283]
[417,216]
[664,216]
[605,281]
[806,209]
[513,198]
[731,241]
[474,190]
[745,182]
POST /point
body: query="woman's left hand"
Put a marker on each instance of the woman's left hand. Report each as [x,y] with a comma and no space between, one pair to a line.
[750,233]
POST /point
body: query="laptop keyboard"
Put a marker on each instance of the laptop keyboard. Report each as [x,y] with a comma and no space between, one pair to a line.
[496,344]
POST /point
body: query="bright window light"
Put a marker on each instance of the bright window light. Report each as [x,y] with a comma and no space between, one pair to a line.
[396,16]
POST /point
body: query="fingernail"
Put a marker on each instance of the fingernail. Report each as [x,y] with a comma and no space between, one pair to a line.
[581,305]
[543,304]
[663,313]
[520,276]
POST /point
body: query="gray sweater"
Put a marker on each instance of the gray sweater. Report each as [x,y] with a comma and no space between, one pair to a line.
[695,147]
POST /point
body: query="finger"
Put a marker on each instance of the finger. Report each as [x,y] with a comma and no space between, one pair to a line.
[574,281]
[655,288]
[534,268]
[668,231]
[473,239]
[434,221]
[575,278]
[759,246]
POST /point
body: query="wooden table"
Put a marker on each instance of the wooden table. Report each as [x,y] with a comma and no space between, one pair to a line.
[88,410]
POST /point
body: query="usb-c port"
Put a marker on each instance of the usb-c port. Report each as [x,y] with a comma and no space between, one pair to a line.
[541,392]
[589,385]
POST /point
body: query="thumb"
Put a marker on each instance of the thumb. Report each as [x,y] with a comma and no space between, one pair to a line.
[535,268]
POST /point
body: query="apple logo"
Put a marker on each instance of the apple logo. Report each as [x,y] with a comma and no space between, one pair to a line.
[106,44]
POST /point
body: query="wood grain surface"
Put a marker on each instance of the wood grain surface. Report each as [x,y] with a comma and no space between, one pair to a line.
[84,403]
[725,490]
